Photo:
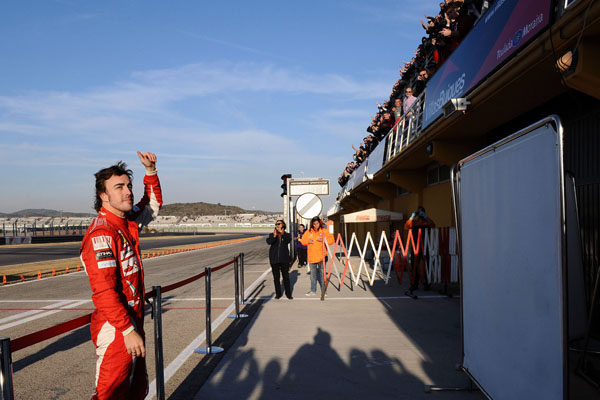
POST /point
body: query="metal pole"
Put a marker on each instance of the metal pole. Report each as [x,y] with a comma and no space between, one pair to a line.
[293,230]
[582,364]
[6,382]
[158,344]
[242,300]
[209,349]
[237,291]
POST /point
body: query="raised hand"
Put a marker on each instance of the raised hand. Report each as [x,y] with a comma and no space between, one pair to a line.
[148,160]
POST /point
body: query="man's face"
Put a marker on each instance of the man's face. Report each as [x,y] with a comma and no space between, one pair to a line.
[117,197]
[397,102]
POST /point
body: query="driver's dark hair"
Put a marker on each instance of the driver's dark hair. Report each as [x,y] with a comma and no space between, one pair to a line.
[103,175]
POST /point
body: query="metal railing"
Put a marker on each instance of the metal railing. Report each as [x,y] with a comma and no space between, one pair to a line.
[408,127]
[22,228]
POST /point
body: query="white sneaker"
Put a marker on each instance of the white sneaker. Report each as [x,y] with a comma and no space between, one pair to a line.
[310,293]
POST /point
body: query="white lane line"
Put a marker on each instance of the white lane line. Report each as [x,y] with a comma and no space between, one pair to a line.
[231,298]
[385,303]
[172,368]
[40,300]
[164,300]
[318,297]
[42,315]
[32,312]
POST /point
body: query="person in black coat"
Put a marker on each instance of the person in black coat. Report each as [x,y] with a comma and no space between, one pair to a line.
[279,257]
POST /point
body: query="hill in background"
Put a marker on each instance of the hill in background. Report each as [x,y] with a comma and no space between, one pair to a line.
[43,212]
[201,208]
[175,209]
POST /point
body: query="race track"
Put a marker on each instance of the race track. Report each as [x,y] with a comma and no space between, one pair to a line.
[63,367]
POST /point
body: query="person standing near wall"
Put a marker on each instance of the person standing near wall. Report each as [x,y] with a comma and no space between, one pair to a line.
[418,221]
[314,238]
[279,257]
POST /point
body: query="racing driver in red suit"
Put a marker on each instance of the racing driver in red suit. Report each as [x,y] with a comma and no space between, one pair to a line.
[110,253]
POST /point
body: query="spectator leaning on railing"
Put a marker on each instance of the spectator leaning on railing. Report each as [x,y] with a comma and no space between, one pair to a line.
[444,32]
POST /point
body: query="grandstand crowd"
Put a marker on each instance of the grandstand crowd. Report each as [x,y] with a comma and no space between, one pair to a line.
[444,32]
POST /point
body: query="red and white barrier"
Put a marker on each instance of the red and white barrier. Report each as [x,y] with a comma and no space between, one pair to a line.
[17,239]
[438,245]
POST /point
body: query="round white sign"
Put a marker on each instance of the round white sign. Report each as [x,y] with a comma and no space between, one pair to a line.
[309,205]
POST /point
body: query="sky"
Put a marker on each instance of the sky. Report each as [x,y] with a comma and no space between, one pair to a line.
[229,95]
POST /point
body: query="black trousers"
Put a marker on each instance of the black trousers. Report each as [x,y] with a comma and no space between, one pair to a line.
[416,262]
[284,270]
[301,256]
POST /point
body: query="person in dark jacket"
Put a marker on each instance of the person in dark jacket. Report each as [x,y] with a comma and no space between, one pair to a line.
[279,257]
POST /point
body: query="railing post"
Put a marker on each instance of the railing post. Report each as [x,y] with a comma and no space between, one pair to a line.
[6,382]
[242,274]
[237,291]
[209,348]
[158,344]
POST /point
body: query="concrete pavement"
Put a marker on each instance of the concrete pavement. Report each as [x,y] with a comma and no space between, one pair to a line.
[362,342]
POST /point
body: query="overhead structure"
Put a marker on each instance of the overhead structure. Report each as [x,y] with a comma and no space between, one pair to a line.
[372,215]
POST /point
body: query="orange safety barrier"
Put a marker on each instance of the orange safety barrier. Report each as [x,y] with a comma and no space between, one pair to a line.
[39,276]
[404,252]
[67,270]
[53,272]
[22,278]
[339,241]
[78,267]
[398,261]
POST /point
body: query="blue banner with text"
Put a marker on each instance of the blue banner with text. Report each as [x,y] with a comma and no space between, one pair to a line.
[505,28]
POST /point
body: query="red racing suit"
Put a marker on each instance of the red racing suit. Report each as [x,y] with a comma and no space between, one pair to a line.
[110,253]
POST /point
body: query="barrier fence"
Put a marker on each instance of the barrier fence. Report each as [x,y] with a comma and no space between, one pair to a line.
[435,246]
[8,346]
[47,272]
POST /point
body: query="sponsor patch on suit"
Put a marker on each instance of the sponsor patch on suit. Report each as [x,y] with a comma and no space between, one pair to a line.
[104,255]
[102,242]
[107,264]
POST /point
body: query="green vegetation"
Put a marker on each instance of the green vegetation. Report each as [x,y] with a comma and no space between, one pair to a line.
[201,208]
[175,209]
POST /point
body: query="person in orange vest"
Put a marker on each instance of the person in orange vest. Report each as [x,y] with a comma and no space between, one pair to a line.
[418,221]
[314,238]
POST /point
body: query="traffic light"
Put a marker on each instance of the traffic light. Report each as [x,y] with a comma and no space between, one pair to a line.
[284,178]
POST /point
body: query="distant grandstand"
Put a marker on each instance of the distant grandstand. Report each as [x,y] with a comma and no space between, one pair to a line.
[75,226]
